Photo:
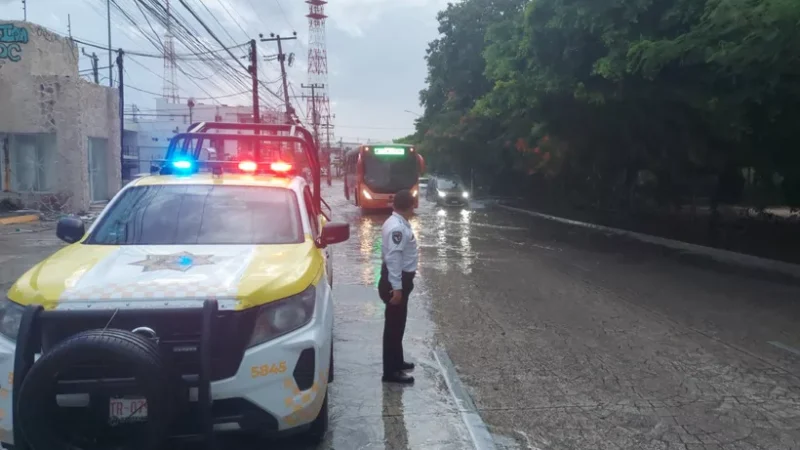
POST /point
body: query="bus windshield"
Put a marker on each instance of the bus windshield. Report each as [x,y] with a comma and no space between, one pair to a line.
[390,173]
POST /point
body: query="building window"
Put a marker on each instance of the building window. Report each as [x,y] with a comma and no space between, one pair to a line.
[32,160]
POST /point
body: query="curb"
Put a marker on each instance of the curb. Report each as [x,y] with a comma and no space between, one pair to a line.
[719,255]
[27,218]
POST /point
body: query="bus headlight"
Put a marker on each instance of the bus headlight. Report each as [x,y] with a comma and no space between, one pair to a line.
[366,194]
[465,194]
[283,316]
[441,194]
[10,318]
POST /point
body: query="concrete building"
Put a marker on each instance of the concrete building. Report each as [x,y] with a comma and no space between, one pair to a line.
[59,134]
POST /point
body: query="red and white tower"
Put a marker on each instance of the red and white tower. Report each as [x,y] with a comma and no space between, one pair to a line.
[318,70]
[170,87]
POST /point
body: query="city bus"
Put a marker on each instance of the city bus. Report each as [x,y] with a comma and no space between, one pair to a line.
[375,172]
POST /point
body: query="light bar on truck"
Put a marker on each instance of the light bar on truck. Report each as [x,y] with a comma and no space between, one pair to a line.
[187,166]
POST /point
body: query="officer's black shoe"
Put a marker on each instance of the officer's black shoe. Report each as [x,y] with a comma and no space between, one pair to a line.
[398,377]
[407,367]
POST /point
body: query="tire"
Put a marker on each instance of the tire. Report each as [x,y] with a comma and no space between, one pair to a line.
[120,348]
[319,427]
[330,369]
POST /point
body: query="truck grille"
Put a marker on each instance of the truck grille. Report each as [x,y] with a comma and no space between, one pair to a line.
[178,338]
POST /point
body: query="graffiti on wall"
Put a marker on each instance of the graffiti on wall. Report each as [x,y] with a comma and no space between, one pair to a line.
[10,39]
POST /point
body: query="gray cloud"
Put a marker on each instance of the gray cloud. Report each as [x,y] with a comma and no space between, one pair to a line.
[375,51]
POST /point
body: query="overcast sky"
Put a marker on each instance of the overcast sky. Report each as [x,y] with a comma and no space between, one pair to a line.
[376,52]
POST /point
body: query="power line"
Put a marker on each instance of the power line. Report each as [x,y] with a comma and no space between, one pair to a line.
[186,35]
[196,98]
[150,55]
[214,36]
[159,76]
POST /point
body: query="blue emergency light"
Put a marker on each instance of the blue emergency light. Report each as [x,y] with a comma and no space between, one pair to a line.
[183,165]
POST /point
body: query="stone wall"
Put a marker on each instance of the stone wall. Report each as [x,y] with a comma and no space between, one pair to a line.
[41,92]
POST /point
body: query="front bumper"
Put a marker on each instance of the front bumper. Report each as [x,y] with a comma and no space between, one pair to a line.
[452,200]
[274,387]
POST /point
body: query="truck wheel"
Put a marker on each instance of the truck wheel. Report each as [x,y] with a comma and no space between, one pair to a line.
[120,349]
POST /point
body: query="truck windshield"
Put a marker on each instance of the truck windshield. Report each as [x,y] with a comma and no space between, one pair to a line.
[201,215]
[390,173]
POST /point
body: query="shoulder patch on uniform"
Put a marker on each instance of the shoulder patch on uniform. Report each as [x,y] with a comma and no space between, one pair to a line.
[397,237]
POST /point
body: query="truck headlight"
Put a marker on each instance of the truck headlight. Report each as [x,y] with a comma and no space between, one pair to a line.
[442,194]
[283,316]
[465,194]
[10,318]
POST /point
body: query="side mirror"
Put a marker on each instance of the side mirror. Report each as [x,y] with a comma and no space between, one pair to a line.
[70,229]
[333,233]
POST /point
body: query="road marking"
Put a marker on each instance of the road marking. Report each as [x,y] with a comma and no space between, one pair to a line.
[784,347]
[481,438]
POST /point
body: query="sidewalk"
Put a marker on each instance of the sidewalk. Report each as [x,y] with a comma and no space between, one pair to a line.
[719,255]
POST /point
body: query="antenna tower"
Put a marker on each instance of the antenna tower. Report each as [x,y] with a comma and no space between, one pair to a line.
[318,68]
[170,87]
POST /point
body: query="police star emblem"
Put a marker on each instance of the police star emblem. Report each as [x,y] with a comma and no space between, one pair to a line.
[180,262]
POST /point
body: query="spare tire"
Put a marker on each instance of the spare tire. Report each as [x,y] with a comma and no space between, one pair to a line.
[135,354]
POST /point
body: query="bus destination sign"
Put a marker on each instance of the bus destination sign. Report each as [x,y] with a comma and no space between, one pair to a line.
[393,151]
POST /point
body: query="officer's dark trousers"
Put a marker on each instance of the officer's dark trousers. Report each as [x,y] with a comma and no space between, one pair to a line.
[395,320]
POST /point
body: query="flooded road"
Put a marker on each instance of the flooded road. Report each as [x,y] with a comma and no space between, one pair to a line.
[556,337]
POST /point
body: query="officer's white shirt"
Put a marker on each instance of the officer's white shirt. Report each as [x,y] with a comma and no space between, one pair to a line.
[399,248]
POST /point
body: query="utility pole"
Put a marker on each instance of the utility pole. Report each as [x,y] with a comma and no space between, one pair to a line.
[25,10]
[110,63]
[69,26]
[190,104]
[314,114]
[95,59]
[254,75]
[121,117]
[282,60]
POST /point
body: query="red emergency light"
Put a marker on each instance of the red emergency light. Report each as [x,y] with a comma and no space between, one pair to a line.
[248,166]
[279,166]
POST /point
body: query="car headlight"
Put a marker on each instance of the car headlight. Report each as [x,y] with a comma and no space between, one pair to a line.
[465,194]
[10,318]
[283,316]
[442,194]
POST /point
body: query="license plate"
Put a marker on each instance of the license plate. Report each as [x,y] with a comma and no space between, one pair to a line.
[123,410]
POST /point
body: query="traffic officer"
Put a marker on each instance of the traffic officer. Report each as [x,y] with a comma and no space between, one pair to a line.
[400,256]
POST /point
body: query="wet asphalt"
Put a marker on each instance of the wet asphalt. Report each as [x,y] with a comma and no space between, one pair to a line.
[564,338]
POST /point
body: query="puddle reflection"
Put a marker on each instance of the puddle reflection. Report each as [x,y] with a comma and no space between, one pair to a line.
[466,242]
[395,432]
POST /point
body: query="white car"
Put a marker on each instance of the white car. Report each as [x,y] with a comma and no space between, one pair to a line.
[196,303]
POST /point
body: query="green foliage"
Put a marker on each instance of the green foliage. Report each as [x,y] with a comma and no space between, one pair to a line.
[678,88]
